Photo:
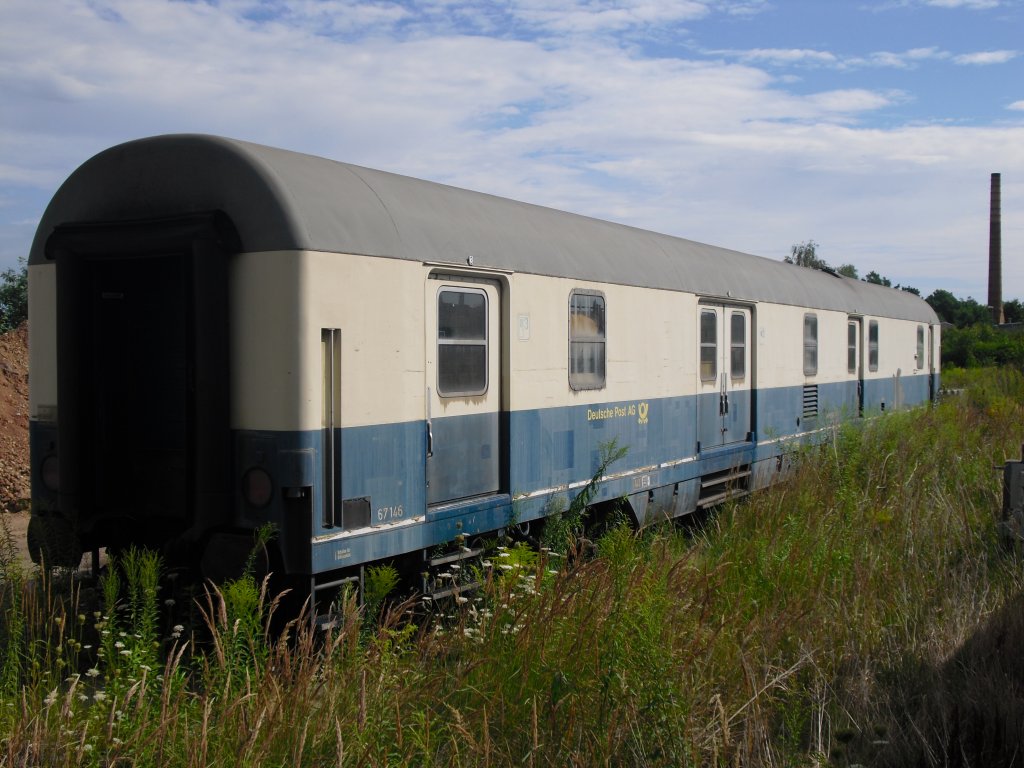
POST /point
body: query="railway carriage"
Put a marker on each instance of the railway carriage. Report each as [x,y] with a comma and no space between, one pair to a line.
[225,335]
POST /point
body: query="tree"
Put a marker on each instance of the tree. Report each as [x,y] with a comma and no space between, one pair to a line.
[877,279]
[945,304]
[805,255]
[962,314]
[13,297]
[848,270]
[1013,311]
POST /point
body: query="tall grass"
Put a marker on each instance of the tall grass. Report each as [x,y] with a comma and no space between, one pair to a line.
[828,621]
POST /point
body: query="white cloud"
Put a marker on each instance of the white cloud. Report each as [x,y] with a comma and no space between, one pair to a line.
[970,4]
[896,60]
[717,151]
[592,15]
[1017,105]
[851,100]
[816,58]
[787,56]
[986,57]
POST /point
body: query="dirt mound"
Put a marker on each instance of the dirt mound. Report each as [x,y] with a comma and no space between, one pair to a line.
[14,461]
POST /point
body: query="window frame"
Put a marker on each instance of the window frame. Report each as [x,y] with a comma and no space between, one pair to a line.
[919,357]
[852,344]
[811,344]
[456,341]
[712,345]
[580,381]
[734,345]
[873,345]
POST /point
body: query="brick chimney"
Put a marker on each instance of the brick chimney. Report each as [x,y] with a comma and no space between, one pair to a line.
[995,256]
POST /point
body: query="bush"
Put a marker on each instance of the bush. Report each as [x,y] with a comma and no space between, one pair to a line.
[13,297]
[981,345]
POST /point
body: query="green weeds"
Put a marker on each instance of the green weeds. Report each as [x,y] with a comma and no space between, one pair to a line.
[831,620]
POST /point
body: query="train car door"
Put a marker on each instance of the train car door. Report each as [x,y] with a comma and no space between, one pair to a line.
[854,402]
[725,375]
[463,381]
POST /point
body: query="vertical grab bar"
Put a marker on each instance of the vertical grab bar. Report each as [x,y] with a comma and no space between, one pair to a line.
[330,343]
[430,429]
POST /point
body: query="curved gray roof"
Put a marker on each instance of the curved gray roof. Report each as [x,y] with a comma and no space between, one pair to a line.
[280,200]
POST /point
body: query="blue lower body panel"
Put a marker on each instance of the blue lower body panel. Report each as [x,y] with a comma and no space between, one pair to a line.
[376,502]
[552,453]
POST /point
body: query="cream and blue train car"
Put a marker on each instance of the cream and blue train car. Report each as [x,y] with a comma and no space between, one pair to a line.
[224,335]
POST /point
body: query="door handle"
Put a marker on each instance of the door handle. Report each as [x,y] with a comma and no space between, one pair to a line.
[430,428]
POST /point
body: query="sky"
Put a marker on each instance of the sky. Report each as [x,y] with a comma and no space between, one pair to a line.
[871,127]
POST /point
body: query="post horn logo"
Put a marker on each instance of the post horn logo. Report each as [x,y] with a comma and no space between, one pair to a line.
[643,413]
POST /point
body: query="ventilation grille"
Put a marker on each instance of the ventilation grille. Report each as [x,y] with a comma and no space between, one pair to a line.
[810,401]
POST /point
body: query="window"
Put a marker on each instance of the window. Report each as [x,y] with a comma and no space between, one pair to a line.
[708,345]
[738,345]
[920,347]
[461,342]
[851,347]
[586,340]
[810,344]
[872,345]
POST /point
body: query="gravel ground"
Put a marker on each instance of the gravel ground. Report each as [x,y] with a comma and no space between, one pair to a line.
[14,461]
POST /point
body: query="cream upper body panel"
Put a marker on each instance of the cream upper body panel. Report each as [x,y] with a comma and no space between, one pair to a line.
[649,352]
[279,304]
[269,353]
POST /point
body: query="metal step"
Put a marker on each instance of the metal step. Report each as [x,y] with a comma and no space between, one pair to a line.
[437,588]
[324,621]
[723,485]
[463,554]
[456,589]
[730,477]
